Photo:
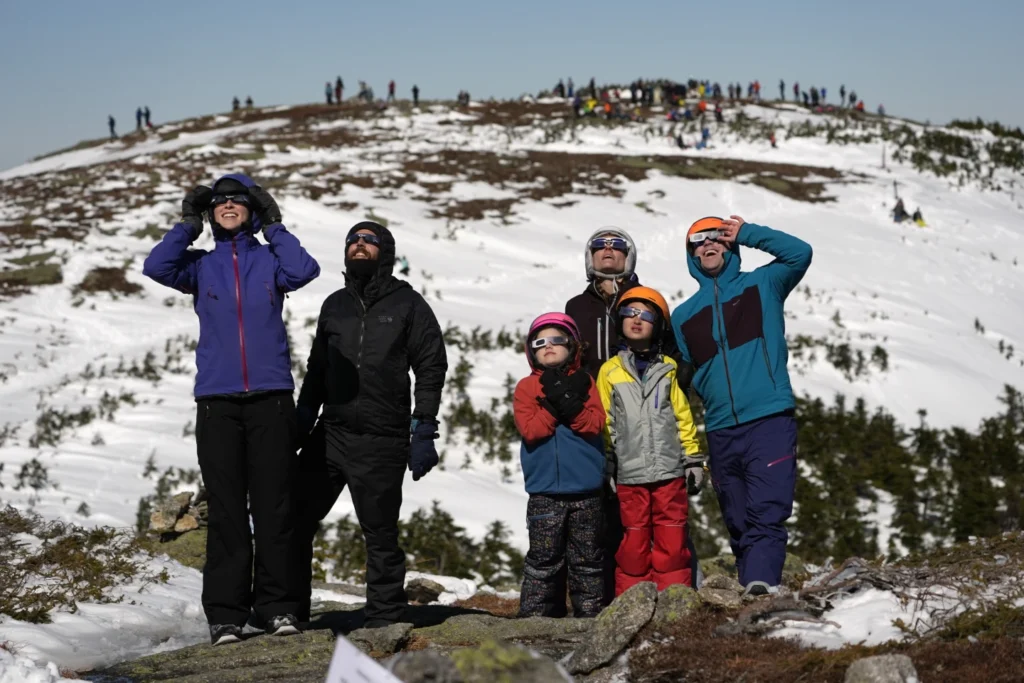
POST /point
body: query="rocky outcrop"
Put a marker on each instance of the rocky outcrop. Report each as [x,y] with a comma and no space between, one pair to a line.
[882,669]
[615,628]
[423,591]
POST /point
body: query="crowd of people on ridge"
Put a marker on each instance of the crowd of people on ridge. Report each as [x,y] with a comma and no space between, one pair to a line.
[609,449]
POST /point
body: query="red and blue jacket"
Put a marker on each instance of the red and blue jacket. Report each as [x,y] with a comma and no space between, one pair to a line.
[559,458]
[238,293]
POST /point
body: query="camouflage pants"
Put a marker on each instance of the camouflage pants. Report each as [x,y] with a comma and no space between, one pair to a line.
[564,530]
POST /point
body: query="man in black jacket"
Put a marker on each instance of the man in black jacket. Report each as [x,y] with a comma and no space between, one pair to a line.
[610,260]
[368,336]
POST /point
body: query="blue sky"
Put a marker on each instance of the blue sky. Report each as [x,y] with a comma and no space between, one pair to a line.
[68,64]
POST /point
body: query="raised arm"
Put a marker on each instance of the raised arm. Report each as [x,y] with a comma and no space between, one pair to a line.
[792,255]
[295,267]
[171,262]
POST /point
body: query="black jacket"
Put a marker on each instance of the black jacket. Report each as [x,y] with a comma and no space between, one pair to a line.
[602,339]
[367,339]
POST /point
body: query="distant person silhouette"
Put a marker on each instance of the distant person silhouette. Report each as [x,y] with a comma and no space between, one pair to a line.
[138,119]
[415,96]
[338,86]
[234,104]
[328,93]
[248,101]
[111,123]
[145,115]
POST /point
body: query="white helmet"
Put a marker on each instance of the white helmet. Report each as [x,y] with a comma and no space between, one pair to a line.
[588,257]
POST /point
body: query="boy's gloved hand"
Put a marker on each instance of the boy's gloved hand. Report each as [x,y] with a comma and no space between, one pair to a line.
[422,453]
[196,201]
[265,206]
[694,469]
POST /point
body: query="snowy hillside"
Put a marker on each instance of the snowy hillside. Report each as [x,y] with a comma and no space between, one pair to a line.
[490,205]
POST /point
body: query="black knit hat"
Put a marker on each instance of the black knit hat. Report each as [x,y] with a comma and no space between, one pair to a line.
[376,228]
[229,186]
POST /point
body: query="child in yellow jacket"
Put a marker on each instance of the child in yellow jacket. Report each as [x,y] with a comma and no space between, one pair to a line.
[651,445]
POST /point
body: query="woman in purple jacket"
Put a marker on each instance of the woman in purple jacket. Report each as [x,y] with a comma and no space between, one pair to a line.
[245,423]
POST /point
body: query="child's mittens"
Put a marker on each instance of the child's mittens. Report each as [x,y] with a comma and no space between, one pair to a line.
[559,391]
[694,469]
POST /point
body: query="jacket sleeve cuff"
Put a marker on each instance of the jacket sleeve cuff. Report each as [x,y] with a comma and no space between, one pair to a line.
[271,230]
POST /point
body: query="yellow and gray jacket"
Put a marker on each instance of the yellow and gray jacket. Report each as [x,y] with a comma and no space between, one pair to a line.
[649,427]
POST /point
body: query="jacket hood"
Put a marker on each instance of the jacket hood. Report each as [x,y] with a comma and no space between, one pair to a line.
[382,282]
[729,271]
[251,226]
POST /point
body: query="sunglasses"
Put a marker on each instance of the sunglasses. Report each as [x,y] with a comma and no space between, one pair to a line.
[233,198]
[616,243]
[367,238]
[646,316]
[541,342]
[698,237]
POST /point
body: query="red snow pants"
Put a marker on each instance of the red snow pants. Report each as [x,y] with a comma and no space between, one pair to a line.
[654,540]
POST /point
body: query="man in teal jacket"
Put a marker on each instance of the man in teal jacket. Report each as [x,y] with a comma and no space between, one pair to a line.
[733,332]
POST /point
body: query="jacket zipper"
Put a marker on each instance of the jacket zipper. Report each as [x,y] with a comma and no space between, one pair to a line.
[362,329]
[767,362]
[558,470]
[657,392]
[241,325]
[725,356]
[599,356]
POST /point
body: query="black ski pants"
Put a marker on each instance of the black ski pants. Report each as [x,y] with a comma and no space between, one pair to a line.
[247,456]
[373,468]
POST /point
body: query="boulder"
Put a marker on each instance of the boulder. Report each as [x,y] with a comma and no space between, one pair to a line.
[423,666]
[161,522]
[614,628]
[186,523]
[552,637]
[723,582]
[674,603]
[385,641]
[493,661]
[182,500]
[720,597]
[423,591]
[882,669]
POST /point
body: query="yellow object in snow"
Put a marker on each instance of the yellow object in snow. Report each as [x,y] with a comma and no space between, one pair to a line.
[920,223]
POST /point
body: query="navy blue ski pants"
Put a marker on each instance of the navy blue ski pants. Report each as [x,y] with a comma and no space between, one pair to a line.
[753,470]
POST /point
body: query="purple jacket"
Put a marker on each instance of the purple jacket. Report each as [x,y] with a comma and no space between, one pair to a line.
[238,293]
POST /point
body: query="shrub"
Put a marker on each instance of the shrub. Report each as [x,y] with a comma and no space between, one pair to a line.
[64,565]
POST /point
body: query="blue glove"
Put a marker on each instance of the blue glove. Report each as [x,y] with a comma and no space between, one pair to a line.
[422,453]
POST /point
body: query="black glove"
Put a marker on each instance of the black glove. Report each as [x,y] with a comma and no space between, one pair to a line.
[264,206]
[559,391]
[422,453]
[305,420]
[194,204]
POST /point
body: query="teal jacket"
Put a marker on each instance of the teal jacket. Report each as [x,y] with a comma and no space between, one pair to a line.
[733,331]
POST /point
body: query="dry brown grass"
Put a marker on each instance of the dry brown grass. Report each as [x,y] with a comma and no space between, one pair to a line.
[690,651]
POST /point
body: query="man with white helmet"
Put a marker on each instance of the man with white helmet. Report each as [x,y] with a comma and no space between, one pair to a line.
[610,261]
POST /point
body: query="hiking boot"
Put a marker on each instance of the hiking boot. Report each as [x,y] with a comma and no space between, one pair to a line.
[222,634]
[758,588]
[282,625]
